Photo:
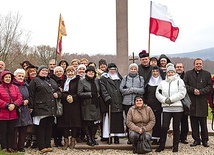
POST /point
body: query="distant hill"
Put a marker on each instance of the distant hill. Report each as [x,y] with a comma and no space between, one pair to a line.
[205,54]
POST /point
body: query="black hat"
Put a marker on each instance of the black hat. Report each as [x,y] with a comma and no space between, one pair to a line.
[112,66]
[90,68]
[102,61]
[143,54]
[31,66]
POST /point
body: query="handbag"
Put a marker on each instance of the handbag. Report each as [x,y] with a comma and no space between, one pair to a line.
[59,108]
[186,102]
[143,144]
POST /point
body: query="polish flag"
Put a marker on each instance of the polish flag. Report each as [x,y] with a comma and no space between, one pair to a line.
[161,22]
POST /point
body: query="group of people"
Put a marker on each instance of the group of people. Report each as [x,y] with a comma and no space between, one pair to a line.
[149,96]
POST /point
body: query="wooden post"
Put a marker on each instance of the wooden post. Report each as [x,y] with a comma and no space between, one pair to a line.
[122,36]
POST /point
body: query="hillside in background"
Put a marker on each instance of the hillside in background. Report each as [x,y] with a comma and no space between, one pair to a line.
[205,54]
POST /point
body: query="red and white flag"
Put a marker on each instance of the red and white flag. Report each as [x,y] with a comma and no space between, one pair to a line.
[161,22]
[61,33]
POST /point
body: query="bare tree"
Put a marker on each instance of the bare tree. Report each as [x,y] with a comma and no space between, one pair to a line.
[43,54]
[12,42]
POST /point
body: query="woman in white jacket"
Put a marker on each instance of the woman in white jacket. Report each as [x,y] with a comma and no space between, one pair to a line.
[169,93]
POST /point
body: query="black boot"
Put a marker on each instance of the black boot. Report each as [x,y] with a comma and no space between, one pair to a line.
[116,140]
[93,140]
[109,141]
[175,148]
[89,140]
[160,147]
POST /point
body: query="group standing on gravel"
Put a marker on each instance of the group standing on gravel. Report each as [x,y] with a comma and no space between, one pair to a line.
[99,98]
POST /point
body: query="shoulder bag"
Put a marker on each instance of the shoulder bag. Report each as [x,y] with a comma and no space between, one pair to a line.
[143,144]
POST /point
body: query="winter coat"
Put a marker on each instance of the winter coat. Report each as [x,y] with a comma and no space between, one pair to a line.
[5,99]
[71,111]
[130,87]
[203,83]
[174,89]
[24,118]
[42,100]
[210,95]
[140,119]
[151,100]
[89,109]
[110,89]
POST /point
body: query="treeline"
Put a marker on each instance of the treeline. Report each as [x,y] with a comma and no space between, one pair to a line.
[38,60]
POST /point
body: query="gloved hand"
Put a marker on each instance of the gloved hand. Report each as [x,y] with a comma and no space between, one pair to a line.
[70,99]
[131,90]
[109,101]
[168,101]
[135,90]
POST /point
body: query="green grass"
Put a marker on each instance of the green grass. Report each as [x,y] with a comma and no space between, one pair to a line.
[3,153]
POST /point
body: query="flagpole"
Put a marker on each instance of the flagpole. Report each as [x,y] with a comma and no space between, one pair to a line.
[149,28]
[57,38]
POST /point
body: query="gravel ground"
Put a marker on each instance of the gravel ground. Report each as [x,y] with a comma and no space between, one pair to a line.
[183,150]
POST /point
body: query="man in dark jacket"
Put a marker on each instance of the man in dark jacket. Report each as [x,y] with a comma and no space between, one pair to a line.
[144,69]
[179,67]
[199,84]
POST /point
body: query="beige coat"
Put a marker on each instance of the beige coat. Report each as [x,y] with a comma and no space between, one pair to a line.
[140,119]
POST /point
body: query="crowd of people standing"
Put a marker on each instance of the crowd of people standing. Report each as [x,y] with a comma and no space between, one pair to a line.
[144,100]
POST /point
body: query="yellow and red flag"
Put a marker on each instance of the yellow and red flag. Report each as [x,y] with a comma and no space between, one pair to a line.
[61,33]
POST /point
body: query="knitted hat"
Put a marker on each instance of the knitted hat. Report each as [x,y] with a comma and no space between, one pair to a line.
[41,67]
[90,68]
[170,67]
[102,62]
[81,66]
[133,65]
[143,54]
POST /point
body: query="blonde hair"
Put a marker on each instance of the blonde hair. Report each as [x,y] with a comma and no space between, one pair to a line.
[75,60]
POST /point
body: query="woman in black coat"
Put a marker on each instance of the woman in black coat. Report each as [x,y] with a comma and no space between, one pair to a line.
[58,76]
[110,91]
[24,118]
[153,102]
[88,91]
[43,94]
[71,118]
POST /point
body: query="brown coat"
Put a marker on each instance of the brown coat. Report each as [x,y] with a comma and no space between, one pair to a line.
[140,118]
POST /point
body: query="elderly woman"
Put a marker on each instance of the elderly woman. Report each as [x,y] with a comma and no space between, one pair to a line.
[71,118]
[43,94]
[81,70]
[30,73]
[153,102]
[24,117]
[170,92]
[10,100]
[131,85]
[110,91]
[59,76]
[140,118]
[88,91]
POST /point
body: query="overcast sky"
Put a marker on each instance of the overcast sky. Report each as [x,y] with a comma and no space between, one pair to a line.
[91,24]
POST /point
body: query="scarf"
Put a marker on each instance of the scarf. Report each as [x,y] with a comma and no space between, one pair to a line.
[66,85]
